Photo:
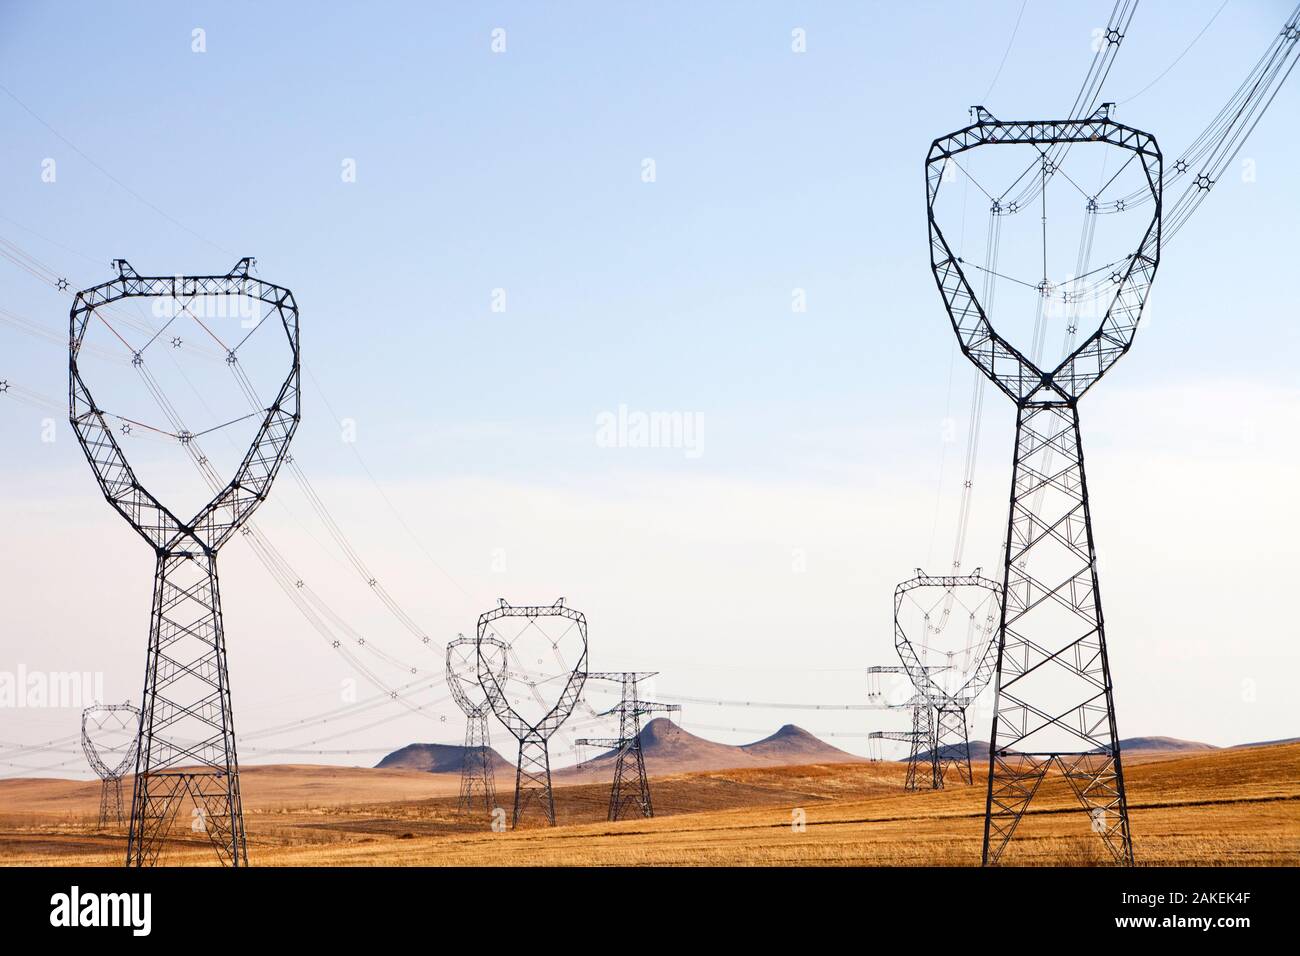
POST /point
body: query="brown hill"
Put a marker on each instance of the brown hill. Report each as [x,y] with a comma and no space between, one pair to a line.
[793,745]
[979,751]
[1270,743]
[670,749]
[1163,744]
[435,758]
[1137,746]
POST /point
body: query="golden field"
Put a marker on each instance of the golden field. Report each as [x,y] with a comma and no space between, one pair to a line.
[1225,807]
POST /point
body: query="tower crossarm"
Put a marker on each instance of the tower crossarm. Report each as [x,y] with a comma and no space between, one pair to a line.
[653,707]
[621,676]
[640,707]
[902,736]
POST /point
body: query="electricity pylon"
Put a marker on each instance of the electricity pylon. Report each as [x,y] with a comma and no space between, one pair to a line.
[624,795]
[533,726]
[94,719]
[950,689]
[923,770]
[187,732]
[477,778]
[1054,704]
[920,746]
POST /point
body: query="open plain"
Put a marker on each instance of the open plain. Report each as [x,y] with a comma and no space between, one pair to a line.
[1236,806]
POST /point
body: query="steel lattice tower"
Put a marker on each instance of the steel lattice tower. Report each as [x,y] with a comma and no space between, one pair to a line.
[628,797]
[477,779]
[127,717]
[1053,701]
[923,772]
[947,723]
[533,770]
[187,735]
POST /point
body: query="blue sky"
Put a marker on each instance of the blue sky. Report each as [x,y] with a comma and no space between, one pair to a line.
[522,171]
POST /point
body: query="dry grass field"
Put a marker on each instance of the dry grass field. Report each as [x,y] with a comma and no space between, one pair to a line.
[1226,807]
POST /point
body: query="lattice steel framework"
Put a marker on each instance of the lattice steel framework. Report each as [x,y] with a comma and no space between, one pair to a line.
[1054,701]
[187,736]
[951,746]
[477,778]
[533,770]
[922,769]
[110,772]
[922,765]
[628,797]
[947,722]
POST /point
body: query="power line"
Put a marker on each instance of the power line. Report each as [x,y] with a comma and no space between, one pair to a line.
[1178,59]
[1005,53]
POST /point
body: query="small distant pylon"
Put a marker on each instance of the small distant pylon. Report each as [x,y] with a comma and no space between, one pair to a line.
[533,790]
[950,750]
[95,718]
[628,797]
[921,749]
[477,778]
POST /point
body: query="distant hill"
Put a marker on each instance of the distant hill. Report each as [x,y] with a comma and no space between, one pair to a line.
[1165,744]
[979,749]
[1269,743]
[435,758]
[794,745]
[979,752]
[670,749]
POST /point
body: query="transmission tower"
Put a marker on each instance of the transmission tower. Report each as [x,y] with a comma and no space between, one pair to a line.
[920,747]
[187,738]
[624,796]
[477,779]
[1053,704]
[110,763]
[920,740]
[949,688]
[515,694]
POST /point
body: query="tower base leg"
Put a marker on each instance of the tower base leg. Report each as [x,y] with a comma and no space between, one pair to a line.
[187,738]
[1053,701]
[1095,780]
[477,778]
[952,746]
[533,794]
[215,811]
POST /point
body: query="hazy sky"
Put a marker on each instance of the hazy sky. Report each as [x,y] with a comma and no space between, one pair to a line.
[757,564]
